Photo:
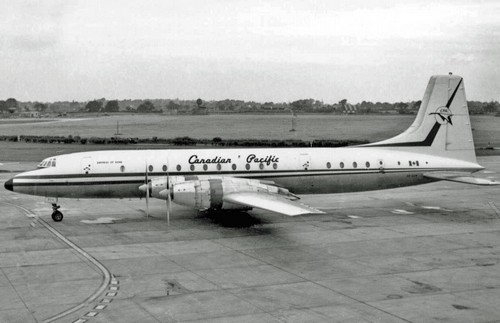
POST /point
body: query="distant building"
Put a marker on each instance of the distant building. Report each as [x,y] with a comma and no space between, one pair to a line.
[349,108]
[29,114]
[200,110]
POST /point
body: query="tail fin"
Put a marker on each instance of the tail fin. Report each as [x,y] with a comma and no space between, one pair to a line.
[442,125]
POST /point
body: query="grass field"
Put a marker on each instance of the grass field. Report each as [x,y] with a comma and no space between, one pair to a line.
[309,127]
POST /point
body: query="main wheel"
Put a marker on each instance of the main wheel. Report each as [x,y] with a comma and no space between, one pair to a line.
[57,216]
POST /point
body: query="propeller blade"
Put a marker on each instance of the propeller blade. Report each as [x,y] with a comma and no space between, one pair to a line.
[169,200]
[147,201]
[169,206]
[168,211]
[147,190]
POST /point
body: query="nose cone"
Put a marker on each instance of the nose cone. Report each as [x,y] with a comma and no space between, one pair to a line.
[9,185]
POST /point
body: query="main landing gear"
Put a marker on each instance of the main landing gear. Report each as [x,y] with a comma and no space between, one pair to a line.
[57,216]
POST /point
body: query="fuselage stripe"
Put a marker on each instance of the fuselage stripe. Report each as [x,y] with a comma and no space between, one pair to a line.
[111,179]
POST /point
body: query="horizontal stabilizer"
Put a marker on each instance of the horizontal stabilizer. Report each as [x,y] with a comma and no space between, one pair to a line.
[460,178]
[270,202]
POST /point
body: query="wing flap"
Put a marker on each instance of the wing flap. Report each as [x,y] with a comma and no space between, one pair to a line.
[270,202]
[460,178]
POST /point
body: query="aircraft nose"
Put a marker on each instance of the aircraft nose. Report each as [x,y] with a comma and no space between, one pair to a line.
[9,185]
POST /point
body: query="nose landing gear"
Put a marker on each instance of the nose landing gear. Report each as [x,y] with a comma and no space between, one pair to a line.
[57,216]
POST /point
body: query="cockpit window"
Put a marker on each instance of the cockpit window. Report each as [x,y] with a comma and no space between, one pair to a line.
[49,162]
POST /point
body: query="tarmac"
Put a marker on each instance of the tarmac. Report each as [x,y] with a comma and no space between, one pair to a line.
[418,254]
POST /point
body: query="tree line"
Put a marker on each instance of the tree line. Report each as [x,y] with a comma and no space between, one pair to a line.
[184,141]
[199,106]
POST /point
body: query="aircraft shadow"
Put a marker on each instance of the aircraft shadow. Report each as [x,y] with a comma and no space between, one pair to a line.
[230,218]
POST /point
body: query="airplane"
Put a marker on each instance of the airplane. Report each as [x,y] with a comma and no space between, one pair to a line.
[437,146]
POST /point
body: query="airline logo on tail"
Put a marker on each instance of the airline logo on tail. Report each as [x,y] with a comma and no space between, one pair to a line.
[443,115]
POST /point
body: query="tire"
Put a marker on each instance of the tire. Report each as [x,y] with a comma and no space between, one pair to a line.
[57,216]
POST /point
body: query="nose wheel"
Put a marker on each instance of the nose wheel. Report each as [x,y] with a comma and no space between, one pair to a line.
[57,216]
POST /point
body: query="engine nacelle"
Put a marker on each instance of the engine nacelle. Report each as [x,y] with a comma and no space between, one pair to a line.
[202,195]
[157,185]
[209,193]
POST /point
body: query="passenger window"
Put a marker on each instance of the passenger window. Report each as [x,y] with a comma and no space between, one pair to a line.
[275,166]
[367,164]
[261,166]
[122,168]
[150,168]
[164,168]
[191,167]
[417,163]
[205,167]
[355,165]
[233,167]
[409,162]
[328,165]
[219,166]
[341,164]
[247,166]
[179,167]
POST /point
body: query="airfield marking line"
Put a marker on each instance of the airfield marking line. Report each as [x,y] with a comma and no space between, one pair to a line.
[106,273]
[494,207]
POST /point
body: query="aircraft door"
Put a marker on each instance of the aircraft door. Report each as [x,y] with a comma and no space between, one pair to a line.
[304,161]
[87,165]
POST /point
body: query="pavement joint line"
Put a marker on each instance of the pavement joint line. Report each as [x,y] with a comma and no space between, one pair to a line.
[100,307]
[17,293]
[113,294]
[323,286]
[106,273]
[106,300]
[91,314]
[229,291]
[494,207]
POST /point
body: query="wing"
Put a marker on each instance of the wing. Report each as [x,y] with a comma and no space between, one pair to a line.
[271,202]
[460,178]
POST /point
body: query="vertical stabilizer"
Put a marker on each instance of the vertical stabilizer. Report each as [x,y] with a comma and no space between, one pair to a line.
[442,126]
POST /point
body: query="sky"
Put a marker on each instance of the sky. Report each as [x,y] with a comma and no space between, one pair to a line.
[278,51]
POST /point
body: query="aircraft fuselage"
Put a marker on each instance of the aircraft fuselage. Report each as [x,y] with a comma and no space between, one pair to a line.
[119,173]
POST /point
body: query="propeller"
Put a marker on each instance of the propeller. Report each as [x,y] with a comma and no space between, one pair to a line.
[148,188]
[166,193]
[169,200]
